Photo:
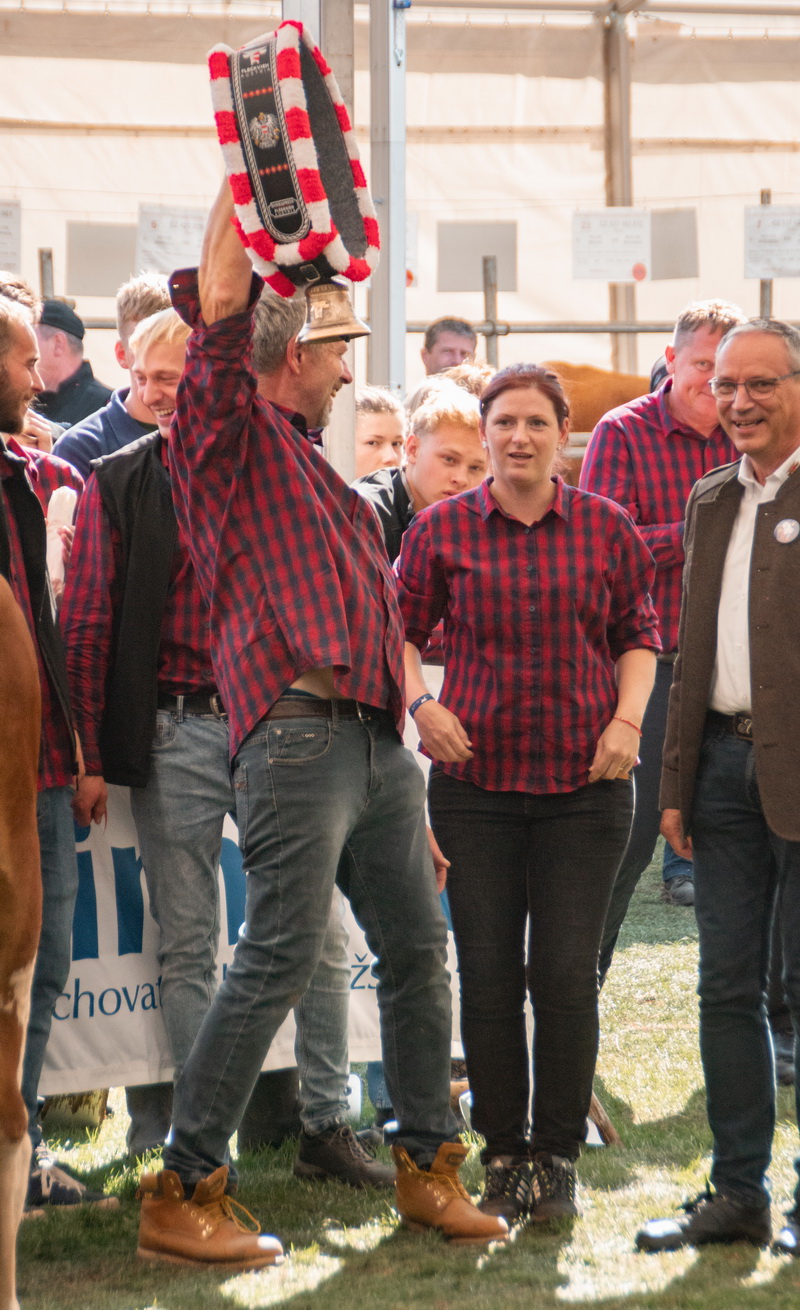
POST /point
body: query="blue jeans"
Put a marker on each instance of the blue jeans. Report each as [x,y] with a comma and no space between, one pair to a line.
[179,817]
[739,863]
[321,802]
[59,889]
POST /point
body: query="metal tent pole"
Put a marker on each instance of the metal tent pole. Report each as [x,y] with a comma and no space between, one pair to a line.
[619,175]
[387,63]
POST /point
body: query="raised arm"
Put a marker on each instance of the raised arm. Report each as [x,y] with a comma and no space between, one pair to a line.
[225,272]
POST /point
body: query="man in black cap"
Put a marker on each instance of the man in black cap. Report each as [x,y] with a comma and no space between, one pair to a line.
[71,391]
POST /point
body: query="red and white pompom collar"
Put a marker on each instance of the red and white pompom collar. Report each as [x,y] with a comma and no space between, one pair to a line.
[323,240]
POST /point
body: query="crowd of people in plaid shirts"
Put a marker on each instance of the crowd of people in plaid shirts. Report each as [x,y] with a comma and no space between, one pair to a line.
[246,633]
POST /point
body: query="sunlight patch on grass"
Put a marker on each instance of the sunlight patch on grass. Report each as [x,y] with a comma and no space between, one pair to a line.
[363,1238]
[302,1271]
[768,1267]
[601,1262]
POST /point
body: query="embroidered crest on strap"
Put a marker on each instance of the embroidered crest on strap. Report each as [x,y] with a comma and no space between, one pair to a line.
[303,208]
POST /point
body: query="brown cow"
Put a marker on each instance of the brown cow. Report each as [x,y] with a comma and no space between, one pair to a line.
[20,913]
[592,392]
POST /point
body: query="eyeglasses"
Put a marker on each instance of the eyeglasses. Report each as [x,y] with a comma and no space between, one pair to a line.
[756,388]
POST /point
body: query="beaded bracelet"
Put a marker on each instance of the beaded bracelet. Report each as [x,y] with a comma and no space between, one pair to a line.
[414,706]
[628,724]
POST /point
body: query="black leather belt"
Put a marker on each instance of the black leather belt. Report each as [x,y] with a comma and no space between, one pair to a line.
[308,707]
[738,725]
[195,702]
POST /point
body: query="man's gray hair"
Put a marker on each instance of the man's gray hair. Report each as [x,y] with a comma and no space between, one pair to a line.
[276,322]
[13,314]
[771,327]
[74,343]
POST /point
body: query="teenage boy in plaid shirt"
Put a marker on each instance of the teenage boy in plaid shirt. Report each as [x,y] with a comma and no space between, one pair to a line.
[307,646]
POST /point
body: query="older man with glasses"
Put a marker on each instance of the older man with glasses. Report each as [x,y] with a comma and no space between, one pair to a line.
[730,791]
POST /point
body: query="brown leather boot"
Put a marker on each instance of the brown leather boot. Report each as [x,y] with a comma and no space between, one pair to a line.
[435,1198]
[207,1230]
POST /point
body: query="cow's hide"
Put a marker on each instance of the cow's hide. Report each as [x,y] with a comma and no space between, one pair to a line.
[592,392]
[20,912]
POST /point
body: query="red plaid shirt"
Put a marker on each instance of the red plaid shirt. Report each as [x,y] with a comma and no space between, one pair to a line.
[47,472]
[289,557]
[642,458]
[534,618]
[91,597]
[55,754]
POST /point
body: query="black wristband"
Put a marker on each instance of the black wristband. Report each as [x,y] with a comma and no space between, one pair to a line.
[412,709]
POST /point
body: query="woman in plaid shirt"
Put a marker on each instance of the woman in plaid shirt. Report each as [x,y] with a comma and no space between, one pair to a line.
[550,640]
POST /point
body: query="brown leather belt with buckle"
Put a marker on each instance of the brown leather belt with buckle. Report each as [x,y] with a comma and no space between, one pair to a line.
[738,725]
[306,707]
[196,702]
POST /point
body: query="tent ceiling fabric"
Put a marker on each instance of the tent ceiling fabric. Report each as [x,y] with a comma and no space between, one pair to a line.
[574,53]
[505,122]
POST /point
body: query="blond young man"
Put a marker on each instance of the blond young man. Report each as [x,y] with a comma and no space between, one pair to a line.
[444,456]
[126,417]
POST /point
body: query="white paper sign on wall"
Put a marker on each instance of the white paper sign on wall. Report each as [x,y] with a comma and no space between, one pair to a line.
[11,235]
[611,245]
[771,241]
[168,237]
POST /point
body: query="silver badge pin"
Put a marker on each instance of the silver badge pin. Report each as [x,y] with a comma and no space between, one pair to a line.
[787,530]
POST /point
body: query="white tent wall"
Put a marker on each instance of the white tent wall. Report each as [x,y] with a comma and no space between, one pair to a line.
[504,124]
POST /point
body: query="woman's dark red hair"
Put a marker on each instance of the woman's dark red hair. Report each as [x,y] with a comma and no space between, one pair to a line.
[521,377]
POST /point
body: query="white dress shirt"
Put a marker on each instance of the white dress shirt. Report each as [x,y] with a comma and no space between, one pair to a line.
[730,686]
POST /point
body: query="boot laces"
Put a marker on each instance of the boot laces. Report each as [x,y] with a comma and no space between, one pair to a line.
[225,1207]
[703,1198]
[453,1183]
[355,1146]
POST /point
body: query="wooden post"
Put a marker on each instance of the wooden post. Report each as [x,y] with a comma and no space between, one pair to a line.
[619,181]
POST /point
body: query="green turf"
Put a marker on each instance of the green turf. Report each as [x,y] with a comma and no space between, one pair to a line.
[345,1250]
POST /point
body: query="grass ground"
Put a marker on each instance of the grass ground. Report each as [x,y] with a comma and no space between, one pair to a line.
[345,1248]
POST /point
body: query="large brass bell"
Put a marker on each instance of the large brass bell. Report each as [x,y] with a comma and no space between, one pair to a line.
[329,314]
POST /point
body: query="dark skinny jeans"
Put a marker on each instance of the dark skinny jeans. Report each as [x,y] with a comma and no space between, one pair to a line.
[529,885]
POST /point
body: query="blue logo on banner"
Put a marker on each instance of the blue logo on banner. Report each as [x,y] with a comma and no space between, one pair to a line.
[130,901]
[84,920]
[129,897]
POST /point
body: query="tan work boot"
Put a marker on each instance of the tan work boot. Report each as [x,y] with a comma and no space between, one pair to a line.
[207,1230]
[435,1198]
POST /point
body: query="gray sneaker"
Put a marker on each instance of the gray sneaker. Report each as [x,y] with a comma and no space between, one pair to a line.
[340,1155]
[711,1217]
[50,1186]
[678,890]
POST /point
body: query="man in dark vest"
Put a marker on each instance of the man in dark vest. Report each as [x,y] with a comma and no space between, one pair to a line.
[136,629]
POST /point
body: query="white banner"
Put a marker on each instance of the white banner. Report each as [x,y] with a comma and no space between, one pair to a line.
[107,1030]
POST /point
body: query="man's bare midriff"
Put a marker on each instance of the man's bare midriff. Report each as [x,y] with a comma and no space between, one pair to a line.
[319,682]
